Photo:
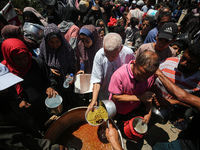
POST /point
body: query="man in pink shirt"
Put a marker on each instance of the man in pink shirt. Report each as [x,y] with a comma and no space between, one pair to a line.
[129,83]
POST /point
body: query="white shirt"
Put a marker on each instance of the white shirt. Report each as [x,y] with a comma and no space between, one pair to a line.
[103,69]
[137,13]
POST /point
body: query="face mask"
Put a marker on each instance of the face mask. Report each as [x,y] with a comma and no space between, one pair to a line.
[106,7]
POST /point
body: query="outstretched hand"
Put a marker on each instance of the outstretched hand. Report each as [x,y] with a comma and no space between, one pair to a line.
[91,105]
[112,136]
[24,104]
[51,92]
[146,118]
[56,72]
[81,72]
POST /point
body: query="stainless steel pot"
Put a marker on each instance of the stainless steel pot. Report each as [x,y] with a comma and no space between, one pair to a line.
[56,132]
[110,107]
[163,115]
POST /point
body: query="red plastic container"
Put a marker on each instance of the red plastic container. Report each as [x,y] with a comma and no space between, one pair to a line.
[130,131]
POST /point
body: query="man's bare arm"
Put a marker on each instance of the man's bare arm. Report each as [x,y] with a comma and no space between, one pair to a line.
[96,88]
[176,91]
[128,98]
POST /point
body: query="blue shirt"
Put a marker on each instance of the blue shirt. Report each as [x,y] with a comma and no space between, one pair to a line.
[151,36]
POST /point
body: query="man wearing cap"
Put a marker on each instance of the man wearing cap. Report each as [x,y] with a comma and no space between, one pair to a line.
[18,130]
[166,35]
[162,18]
[137,13]
[185,73]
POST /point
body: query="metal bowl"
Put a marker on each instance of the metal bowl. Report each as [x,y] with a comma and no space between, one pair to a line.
[139,126]
[110,107]
[58,131]
[163,115]
[33,31]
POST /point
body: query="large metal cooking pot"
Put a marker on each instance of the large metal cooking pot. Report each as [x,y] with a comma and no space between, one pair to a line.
[59,131]
[163,115]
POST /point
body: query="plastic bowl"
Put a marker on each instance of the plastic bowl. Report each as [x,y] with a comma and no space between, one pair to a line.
[54,104]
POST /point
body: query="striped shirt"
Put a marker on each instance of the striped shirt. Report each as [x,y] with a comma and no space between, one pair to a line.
[169,67]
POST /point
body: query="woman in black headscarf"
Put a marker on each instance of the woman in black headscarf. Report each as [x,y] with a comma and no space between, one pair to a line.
[31,15]
[56,12]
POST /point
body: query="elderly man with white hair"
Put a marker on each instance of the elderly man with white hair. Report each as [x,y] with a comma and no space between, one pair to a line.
[108,59]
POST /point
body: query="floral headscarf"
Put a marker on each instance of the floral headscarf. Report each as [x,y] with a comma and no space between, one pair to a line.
[63,58]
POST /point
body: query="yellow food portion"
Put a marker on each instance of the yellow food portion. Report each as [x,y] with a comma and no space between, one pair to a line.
[97,116]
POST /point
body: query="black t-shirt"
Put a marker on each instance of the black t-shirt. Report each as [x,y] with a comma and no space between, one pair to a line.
[190,138]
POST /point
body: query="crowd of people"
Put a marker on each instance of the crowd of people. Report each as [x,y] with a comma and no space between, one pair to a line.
[140,54]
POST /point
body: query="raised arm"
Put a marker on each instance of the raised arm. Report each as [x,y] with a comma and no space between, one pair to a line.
[176,91]
[96,88]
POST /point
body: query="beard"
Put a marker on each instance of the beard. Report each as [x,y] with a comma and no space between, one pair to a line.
[182,68]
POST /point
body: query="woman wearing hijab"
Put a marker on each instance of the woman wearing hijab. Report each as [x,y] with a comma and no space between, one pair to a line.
[31,15]
[108,11]
[11,31]
[89,12]
[90,42]
[56,12]
[37,76]
[70,31]
[59,56]
[101,23]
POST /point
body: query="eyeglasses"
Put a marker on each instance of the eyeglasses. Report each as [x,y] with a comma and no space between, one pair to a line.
[146,25]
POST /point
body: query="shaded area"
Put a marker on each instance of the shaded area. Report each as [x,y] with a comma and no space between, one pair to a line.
[156,134]
[67,139]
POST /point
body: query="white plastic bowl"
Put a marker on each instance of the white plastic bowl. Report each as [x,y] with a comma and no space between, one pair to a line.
[54,104]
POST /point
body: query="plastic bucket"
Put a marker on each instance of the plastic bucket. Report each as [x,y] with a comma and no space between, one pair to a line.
[82,84]
[54,104]
[131,128]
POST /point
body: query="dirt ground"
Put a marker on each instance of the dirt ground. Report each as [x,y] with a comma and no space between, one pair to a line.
[157,132]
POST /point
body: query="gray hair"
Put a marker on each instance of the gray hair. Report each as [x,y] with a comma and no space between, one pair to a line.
[112,41]
[149,60]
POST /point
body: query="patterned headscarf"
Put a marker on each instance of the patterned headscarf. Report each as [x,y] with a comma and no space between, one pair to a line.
[63,58]
[86,55]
